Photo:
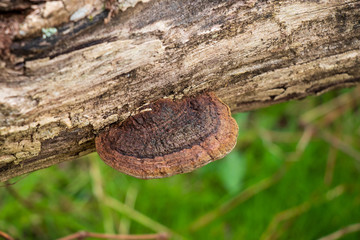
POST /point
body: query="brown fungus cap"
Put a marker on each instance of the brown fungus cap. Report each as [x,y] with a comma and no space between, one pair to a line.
[170,137]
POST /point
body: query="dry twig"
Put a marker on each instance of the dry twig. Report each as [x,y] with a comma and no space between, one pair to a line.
[342,232]
[330,166]
[288,214]
[83,235]
[5,236]
[122,208]
[234,202]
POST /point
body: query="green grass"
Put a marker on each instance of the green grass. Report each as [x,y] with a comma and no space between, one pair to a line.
[268,177]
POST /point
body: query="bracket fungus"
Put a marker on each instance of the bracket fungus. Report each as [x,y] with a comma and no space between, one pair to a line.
[169,137]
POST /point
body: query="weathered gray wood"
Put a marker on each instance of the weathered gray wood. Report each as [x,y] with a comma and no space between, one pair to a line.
[251,53]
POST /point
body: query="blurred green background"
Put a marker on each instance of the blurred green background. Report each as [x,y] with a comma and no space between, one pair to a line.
[294,174]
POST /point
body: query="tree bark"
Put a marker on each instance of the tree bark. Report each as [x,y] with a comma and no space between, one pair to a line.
[64,88]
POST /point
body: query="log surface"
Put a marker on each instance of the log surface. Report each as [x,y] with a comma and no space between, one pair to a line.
[67,87]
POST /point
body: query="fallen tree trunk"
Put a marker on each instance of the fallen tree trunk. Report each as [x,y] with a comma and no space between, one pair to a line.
[64,88]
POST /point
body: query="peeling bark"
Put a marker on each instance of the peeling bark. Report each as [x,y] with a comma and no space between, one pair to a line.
[64,88]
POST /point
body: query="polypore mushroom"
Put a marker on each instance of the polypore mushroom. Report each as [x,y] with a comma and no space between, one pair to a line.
[169,137]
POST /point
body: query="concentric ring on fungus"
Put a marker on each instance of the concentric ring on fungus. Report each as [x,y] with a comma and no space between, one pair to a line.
[170,137]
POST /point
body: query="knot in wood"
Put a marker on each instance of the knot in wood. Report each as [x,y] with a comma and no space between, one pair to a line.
[169,137]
